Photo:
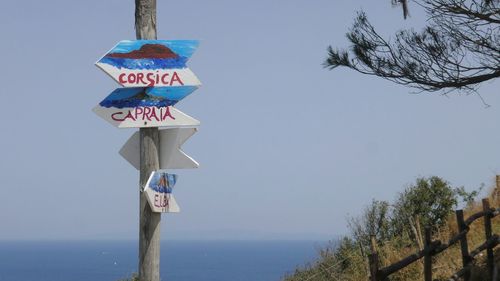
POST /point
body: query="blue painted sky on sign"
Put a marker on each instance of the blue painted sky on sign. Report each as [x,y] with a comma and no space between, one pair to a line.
[287,149]
[153,64]
[171,93]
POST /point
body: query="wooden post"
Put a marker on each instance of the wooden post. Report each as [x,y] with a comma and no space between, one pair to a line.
[487,231]
[496,193]
[145,19]
[373,259]
[149,222]
[428,255]
[464,247]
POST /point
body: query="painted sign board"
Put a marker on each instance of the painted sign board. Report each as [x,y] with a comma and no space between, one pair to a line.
[171,154]
[150,63]
[141,107]
[158,191]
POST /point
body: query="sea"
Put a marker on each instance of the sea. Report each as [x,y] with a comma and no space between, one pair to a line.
[179,260]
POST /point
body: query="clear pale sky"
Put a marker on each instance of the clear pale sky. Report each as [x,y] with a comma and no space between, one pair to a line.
[287,148]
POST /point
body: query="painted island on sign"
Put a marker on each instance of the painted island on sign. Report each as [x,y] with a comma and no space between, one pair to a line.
[159,96]
[150,63]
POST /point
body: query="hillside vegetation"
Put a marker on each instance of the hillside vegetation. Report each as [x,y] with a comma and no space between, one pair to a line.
[398,229]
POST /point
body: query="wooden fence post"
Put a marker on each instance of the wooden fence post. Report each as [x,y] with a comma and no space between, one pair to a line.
[496,191]
[373,259]
[466,259]
[487,231]
[497,188]
[428,255]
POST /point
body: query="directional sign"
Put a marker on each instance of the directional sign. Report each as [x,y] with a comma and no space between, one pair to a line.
[158,191]
[150,63]
[171,154]
[138,108]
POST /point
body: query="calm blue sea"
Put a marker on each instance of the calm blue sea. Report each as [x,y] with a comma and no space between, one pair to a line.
[180,260]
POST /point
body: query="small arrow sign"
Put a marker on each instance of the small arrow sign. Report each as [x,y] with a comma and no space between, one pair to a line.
[150,63]
[158,191]
[171,154]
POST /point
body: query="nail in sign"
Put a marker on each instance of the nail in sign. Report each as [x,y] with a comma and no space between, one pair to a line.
[150,63]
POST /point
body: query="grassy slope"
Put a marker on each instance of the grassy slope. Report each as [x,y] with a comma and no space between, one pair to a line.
[348,263]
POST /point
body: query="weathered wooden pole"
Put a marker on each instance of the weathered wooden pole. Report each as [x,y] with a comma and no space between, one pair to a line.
[497,188]
[428,255]
[149,222]
[373,260]
[464,247]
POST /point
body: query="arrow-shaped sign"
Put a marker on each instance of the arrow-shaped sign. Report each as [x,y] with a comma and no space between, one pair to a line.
[145,107]
[150,63]
[171,154]
[158,191]
[136,97]
[147,116]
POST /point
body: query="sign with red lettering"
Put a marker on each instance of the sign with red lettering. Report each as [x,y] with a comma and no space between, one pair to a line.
[146,116]
[158,191]
[135,108]
[150,63]
[171,154]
